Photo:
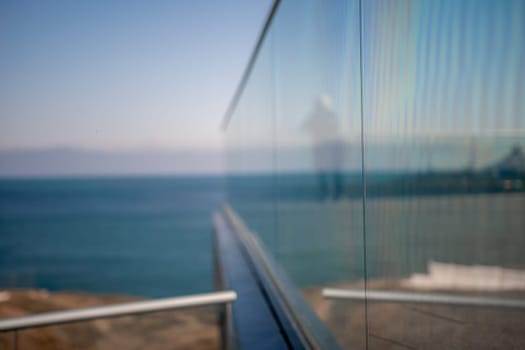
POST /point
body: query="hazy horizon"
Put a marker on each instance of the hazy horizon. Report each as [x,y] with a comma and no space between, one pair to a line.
[449,154]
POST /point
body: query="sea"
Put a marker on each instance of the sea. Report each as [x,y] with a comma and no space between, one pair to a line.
[139,236]
[152,236]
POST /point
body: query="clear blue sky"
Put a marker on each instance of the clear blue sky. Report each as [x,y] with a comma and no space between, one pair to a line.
[121,75]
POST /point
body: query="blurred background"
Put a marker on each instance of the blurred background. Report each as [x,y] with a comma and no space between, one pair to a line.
[376,145]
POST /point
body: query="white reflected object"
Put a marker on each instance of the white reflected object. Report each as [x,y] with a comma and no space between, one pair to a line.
[463,277]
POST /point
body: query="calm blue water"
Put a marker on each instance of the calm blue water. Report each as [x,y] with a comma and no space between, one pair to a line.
[140,236]
[153,236]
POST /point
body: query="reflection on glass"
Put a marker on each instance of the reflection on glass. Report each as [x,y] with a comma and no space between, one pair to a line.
[327,149]
[444,128]
[293,150]
[443,118]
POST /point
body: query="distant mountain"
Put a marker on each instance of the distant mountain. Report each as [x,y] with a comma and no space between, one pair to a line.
[380,157]
[78,162]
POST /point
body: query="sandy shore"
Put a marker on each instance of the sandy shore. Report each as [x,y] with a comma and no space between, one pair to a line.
[390,326]
[184,329]
[418,326]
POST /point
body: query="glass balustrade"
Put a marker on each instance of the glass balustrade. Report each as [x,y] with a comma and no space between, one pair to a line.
[379,146]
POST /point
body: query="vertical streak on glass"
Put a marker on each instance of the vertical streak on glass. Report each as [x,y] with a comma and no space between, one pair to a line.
[275,174]
[15,340]
[363,177]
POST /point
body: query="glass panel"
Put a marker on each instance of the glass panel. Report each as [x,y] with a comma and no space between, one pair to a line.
[250,154]
[308,213]
[445,173]
[318,156]
[444,164]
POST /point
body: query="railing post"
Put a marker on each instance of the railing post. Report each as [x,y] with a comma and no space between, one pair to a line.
[15,339]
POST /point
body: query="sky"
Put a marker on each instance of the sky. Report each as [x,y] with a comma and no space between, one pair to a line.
[121,75]
[111,78]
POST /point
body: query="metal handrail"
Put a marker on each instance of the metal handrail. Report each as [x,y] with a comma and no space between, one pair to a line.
[304,320]
[125,309]
[248,70]
[420,298]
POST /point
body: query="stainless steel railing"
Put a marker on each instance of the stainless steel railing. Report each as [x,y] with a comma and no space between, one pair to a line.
[126,309]
[420,298]
[141,307]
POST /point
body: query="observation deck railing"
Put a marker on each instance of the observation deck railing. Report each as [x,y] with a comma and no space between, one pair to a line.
[125,309]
